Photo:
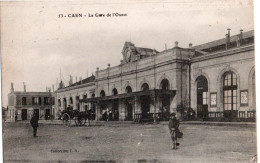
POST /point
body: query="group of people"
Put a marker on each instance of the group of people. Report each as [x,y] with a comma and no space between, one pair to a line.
[173,126]
[109,115]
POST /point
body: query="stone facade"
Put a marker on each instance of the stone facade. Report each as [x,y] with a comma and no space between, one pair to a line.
[215,79]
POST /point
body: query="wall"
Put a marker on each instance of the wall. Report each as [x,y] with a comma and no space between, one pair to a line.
[239,60]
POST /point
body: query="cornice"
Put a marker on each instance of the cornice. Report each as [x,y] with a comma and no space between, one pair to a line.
[223,53]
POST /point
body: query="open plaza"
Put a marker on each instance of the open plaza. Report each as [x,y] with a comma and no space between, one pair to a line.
[128,142]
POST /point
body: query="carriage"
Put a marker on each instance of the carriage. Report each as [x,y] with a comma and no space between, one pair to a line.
[68,115]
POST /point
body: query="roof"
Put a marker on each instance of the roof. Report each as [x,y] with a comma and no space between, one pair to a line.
[139,50]
[223,41]
[145,51]
[84,81]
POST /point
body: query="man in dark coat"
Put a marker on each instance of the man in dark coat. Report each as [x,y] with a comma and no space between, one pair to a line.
[34,123]
[173,125]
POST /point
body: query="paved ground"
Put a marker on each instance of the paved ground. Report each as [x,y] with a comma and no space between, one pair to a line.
[128,143]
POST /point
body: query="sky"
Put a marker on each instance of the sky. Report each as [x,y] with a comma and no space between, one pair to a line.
[36,45]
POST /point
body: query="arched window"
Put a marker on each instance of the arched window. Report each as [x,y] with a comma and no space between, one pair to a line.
[145,87]
[85,96]
[102,93]
[59,102]
[114,91]
[128,89]
[230,91]
[164,84]
[71,100]
[93,95]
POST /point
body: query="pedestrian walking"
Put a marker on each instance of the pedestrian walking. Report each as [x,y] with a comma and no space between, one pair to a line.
[34,123]
[174,129]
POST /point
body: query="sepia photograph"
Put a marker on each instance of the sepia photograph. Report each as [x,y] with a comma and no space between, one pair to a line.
[128,81]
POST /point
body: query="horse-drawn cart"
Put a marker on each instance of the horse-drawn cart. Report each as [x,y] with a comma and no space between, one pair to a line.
[68,115]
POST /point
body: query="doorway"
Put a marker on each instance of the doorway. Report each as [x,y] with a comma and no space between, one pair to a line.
[129,111]
[24,114]
[47,114]
[202,97]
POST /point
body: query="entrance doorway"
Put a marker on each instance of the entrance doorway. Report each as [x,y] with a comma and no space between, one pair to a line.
[145,106]
[165,100]
[129,111]
[202,97]
[145,102]
[47,114]
[24,114]
[114,111]
[37,112]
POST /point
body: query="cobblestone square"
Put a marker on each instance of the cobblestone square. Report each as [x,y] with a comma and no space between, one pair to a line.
[128,143]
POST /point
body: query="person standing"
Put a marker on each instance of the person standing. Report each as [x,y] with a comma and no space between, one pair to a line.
[173,127]
[34,123]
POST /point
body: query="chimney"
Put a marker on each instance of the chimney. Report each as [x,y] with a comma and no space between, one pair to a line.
[154,51]
[229,32]
[24,87]
[12,87]
[76,79]
[70,81]
[97,68]
[176,43]
[52,87]
[80,78]
[241,36]
[165,46]
[190,45]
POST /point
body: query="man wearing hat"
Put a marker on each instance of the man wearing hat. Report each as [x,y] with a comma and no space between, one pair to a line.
[173,125]
[34,123]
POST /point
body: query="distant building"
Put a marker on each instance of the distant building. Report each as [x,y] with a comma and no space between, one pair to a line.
[4,113]
[21,104]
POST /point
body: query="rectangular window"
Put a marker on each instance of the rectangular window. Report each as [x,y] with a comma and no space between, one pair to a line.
[24,102]
[46,101]
[213,99]
[244,98]
[59,102]
[36,100]
[53,101]
[205,98]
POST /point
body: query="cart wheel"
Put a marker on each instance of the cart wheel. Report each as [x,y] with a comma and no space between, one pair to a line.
[66,119]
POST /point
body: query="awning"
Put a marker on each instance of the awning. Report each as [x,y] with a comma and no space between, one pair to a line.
[130,95]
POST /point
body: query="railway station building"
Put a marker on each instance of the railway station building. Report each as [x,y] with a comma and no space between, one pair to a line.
[215,79]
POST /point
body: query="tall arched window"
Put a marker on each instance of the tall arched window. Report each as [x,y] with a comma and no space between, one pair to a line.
[164,85]
[102,93]
[145,87]
[230,91]
[128,89]
[71,100]
[93,95]
[114,91]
